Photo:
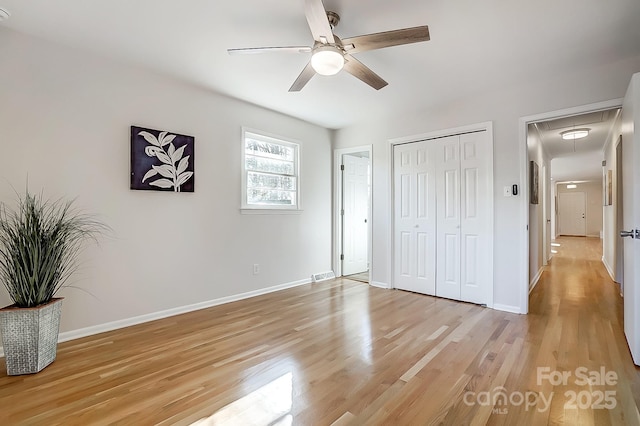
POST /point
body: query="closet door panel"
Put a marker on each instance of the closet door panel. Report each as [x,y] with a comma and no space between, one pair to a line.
[474,217]
[448,217]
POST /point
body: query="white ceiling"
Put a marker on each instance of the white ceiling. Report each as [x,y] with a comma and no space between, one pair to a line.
[475,46]
[579,160]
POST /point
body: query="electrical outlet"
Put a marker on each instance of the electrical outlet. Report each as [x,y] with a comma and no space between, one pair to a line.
[256,269]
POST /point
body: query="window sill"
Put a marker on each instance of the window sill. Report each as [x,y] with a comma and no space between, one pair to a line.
[271,211]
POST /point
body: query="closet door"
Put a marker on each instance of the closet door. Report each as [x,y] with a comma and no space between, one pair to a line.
[442,226]
[415,217]
[448,216]
[475,241]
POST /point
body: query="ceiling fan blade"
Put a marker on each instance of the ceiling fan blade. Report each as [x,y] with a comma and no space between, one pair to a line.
[386,39]
[318,22]
[283,49]
[362,72]
[303,78]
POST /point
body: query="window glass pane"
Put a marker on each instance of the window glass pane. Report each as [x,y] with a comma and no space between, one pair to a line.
[262,164]
[269,150]
[262,181]
[271,197]
[270,172]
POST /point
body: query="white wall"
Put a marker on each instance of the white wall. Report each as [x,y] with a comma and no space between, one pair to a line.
[64,124]
[593,204]
[610,235]
[504,107]
[536,214]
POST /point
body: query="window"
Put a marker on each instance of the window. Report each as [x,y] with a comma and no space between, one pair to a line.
[270,178]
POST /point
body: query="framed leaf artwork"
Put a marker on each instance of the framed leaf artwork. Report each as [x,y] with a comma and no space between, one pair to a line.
[533,182]
[161,160]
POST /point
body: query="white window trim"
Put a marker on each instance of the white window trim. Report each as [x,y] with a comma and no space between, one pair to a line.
[270,209]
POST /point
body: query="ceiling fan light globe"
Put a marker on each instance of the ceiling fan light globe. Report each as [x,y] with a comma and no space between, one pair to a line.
[327,60]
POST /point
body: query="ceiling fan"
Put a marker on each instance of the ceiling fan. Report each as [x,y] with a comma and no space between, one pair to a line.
[330,54]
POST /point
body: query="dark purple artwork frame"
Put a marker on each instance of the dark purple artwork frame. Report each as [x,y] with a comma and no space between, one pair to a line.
[161,160]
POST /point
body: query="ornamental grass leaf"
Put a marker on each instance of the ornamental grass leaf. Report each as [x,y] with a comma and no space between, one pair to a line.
[39,245]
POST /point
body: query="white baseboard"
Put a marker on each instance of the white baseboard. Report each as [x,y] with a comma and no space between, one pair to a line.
[127,322]
[507,308]
[380,285]
[534,281]
[608,268]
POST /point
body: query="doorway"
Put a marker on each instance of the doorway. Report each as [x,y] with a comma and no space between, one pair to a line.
[567,162]
[352,176]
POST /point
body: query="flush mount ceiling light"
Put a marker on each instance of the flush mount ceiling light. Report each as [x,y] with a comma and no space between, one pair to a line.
[574,134]
[327,60]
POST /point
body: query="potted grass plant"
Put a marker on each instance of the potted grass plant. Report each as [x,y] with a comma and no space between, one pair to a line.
[40,241]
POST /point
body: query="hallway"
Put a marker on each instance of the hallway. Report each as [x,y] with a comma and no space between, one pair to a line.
[579,309]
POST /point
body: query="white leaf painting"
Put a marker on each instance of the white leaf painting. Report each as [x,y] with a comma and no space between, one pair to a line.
[184,163]
[184,177]
[178,154]
[162,156]
[152,151]
[149,174]
[150,138]
[165,171]
[162,183]
[172,168]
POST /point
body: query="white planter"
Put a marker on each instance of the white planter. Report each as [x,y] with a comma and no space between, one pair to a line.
[30,336]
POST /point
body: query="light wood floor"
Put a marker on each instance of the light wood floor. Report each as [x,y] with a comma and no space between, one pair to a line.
[345,353]
[363,277]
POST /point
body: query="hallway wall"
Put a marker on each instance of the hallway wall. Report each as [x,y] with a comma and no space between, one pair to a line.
[610,239]
[537,153]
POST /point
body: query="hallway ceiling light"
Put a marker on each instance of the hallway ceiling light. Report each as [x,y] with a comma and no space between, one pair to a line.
[574,134]
[572,186]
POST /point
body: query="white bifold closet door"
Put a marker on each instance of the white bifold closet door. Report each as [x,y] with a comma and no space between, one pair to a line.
[415,217]
[442,222]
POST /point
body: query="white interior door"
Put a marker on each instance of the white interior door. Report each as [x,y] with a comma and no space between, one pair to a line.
[448,216]
[631,215]
[475,221]
[355,202]
[415,217]
[571,213]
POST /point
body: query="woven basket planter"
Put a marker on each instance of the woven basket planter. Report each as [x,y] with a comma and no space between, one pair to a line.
[30,336]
